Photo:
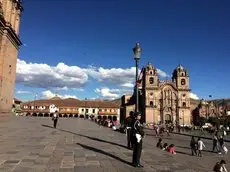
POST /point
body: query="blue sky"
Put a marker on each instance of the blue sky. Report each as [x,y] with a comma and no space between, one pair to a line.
[96,38]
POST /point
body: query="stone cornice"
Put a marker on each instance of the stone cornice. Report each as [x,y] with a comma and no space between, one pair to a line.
[13,35]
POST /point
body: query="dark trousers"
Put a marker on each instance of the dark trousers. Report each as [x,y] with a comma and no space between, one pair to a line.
[193,151]
[55,123]
[137,153]
[129,139]
[200,153]
[215,147]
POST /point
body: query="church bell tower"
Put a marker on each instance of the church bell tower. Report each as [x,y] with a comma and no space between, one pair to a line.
[10,14]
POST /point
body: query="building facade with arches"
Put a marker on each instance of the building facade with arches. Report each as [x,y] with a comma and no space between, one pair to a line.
[70,107]
[161,101]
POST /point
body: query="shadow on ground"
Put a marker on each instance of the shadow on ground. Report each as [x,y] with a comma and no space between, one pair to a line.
[91,138]
[103,152]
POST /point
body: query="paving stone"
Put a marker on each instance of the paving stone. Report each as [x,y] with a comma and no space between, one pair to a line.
[14,162]
[21,169]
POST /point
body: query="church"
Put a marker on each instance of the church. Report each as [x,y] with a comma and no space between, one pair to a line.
[165,101]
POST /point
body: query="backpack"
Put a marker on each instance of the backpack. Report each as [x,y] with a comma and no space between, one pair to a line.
[217,167]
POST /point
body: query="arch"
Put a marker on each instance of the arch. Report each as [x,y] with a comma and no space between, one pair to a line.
[28,114]
[46,115]
[168,118]
[151,80]
[34,114]
[87,116]
[99,117]
[184,104]
[40,115]
[114,118]
[76,116]
[51,115]
[92,116]
[183,81]
[81,116]
[70,115]
[60,115]
[104,117]
[65,116]
[110,117]
[151,103]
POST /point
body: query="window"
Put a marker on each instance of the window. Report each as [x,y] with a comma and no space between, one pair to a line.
[82,110]
[151,72]
[183,82]
[184,95]
[151,103]
[87,110]
[110,110]
[184,104]
[151,94]
[151,80]
[93,110]
[100,110]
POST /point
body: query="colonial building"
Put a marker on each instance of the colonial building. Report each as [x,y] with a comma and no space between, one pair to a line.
[161,101]
[10,13]
[72,108]
[211,108]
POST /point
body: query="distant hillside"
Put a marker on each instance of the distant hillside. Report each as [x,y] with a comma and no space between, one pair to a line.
[117,101]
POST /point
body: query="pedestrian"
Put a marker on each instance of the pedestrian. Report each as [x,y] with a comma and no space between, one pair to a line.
[160,143]
[55,119]
[193,146]
[215,144]
[200,145]
[220,166]
[138,132]
[172,149]
[128,124]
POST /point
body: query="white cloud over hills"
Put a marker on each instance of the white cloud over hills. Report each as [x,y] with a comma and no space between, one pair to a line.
[194,96]
[48,94]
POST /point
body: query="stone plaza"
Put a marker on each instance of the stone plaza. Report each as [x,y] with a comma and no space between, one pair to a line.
[31,144]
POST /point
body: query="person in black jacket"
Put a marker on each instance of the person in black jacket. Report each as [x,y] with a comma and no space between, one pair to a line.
[193,146]
[138,133]
[128,123]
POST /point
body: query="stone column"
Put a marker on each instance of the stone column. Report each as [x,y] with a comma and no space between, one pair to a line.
[13,15]
[8,10]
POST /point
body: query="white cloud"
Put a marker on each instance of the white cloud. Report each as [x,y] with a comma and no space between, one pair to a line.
[44,76]
[108,93]
[194,96]
[64,77]
[128,85]
[162,73]
[23,92]
[48,94]
[62,88]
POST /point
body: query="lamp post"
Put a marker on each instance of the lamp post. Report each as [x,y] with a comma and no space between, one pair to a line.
[137,55]
[183,119]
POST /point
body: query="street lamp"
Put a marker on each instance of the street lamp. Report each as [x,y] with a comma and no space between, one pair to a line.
[137,55]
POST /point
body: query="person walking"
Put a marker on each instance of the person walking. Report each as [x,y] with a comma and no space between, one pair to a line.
[215,144]
[128,124]
[200,145]
[138,132]
[55,119]
[193,146]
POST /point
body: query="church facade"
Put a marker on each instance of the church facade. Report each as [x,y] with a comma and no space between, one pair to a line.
[161,101]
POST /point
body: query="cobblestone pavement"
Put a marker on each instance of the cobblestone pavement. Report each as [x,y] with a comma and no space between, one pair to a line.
[29,144]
